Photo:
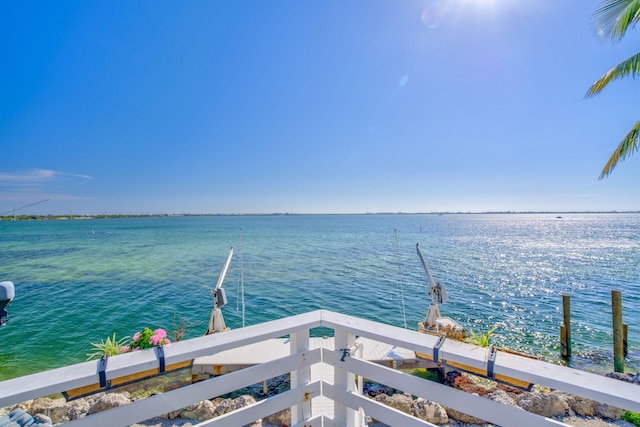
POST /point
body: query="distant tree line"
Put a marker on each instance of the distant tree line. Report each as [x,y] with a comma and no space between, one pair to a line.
[63,217]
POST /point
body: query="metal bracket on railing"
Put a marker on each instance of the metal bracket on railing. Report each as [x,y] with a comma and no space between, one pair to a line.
[436,348]
[346,352]
[102,370]
[160,356]
[491,361]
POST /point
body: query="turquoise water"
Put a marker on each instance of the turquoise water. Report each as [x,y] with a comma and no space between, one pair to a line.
[78,281]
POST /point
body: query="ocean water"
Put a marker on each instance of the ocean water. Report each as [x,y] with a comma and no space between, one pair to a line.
[79,281]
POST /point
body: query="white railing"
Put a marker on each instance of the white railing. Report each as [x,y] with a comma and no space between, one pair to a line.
[348,403]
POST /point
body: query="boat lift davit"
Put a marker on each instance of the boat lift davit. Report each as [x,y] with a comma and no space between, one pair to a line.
[216,322]
[445,327]
[434,320]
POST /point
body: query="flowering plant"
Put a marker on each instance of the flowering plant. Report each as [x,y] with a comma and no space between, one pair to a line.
[147,339]
[109,347]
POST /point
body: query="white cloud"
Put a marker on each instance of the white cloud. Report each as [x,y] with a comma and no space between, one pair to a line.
[28,186]
[34,177]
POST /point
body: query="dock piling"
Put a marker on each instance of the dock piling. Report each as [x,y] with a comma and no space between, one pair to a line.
[565,329]
[618,331]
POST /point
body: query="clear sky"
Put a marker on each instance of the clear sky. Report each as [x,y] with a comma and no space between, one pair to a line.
[311,107]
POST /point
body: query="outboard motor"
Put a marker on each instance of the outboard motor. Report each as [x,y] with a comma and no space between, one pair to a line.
[7,293]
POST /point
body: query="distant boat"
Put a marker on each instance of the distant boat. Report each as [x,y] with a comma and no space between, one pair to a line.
[559,216]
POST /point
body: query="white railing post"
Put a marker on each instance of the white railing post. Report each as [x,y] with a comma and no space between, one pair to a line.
[344,379]
[300,377]
[360,415]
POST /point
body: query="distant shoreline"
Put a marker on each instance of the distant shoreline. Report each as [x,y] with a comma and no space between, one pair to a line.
[104,216]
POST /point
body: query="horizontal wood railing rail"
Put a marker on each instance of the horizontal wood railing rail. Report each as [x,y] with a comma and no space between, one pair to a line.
[471,404]
[83,374]
[176,399]
[585,384]
[595,387]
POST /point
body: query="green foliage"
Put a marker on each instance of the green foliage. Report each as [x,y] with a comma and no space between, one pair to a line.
[632,417]
[109,347]
[614,17]
[629,144]
[147,339]
[424,374]
[143,339]
[481,339]
[612,20]
[628,67]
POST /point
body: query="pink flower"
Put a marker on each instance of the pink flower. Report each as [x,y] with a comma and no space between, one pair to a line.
[166,341]
[125,349]
[160,332]
[158,337]
[136,336]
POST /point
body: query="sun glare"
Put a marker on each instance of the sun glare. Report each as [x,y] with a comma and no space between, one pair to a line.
[482,2]
[438,11]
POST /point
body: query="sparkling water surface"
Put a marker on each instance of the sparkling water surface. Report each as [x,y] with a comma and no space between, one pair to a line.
[79,281]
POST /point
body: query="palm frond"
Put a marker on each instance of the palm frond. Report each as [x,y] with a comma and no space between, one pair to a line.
[629,144]
[628,67]
[614,17]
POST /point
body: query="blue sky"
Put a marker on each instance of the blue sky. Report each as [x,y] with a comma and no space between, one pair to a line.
[311,107]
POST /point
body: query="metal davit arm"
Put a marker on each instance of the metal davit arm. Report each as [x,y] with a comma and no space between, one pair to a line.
[216,322]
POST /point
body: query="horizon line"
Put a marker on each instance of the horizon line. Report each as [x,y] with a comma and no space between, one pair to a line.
[506,212]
